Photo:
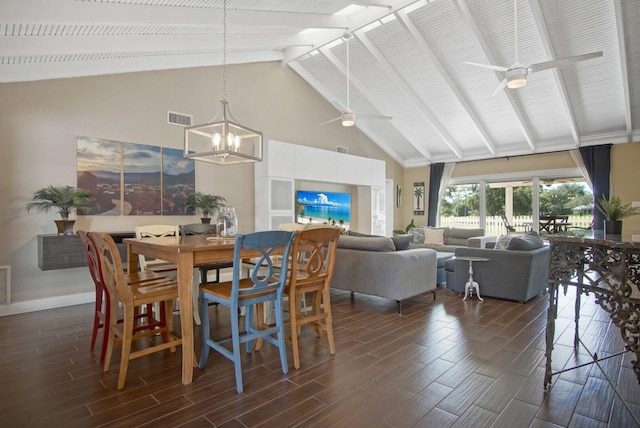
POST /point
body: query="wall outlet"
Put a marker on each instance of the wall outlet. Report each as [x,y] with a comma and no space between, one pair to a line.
[635,237]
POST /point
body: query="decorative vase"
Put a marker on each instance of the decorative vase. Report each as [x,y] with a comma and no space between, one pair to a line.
[227,222]
[65,227]
[613,227]
[206,220]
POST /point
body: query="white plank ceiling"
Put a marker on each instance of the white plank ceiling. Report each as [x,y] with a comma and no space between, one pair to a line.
[407,61]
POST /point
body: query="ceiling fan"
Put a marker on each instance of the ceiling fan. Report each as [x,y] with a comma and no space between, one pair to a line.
[516,74]
[348,117]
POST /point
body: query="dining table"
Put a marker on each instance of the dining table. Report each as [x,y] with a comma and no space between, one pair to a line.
[186,252]
[554,223]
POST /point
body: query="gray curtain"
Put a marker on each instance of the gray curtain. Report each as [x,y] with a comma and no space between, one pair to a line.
[434,192]
[597,160]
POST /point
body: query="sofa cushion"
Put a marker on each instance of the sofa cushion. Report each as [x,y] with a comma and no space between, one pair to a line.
[366,243]
[418,234]
[459,236]
[527,242]
[433,236]
[502,242]
[354,233]
[402,242]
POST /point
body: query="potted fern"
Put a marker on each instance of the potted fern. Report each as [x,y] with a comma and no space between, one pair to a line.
[63,199]
[614,211]
[206,203]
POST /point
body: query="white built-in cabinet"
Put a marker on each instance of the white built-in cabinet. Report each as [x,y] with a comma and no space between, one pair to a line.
[284,163]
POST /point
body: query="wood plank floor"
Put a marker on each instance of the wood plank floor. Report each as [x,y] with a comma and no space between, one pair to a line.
[442,363]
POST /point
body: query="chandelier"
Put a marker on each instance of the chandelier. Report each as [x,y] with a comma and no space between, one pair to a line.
[223,140]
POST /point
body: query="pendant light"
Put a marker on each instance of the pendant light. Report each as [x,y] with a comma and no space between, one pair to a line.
[223,140]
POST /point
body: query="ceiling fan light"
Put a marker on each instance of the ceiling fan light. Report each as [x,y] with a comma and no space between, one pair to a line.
[348,119]
[516,78]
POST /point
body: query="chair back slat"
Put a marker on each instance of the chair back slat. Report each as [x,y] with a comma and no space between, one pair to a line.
[313,254]
[269,273]
[197,229]
[154,231]
[93,258]
[112,268]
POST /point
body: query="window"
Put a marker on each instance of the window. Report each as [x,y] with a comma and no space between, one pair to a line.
[524,203]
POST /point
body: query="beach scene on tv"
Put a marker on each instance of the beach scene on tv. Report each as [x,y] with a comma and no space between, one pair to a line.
[323,208]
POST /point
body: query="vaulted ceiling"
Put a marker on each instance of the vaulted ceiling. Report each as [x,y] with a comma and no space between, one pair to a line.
[407,61]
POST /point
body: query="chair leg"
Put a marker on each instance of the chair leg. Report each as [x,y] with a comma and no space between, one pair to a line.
[294,313]
[328,321]
[195,292]
[204,310]
[280,336]
[248,327]
[235,342]
[260,314]
[105,328]
[96,317]
[127,338]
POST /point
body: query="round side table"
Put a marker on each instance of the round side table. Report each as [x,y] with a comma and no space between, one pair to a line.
[471,283]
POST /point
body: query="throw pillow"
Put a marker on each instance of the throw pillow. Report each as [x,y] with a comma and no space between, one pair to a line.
[526,242]
[502,242]
[418,235]
[433,236]
[365,243]
[402,242]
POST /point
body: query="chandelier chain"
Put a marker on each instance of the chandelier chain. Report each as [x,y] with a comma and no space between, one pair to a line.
[224,50]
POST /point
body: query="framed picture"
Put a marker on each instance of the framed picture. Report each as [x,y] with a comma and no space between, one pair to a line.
[418,198]
[399,196]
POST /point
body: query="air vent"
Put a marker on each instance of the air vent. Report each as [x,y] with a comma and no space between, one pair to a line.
[179,119]
[5,285]
[341,149]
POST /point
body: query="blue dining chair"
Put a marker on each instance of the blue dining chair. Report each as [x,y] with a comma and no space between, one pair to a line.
[265,283]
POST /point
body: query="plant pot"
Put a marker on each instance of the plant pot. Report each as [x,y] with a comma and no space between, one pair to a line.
[65,227]
[612,227]
[206,220]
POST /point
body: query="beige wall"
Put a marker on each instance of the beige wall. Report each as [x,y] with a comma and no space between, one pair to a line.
[40,122]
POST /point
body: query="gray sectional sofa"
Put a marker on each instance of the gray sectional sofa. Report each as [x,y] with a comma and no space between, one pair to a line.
[383,267]
[517,271]
[448,239]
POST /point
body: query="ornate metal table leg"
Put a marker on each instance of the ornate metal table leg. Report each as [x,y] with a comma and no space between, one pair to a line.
[551,329]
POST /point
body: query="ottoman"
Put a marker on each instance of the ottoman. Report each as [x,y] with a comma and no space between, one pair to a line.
[441,258]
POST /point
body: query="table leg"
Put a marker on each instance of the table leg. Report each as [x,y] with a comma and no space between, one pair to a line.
[477,287]
[471,285]
[185,293]
[550,333]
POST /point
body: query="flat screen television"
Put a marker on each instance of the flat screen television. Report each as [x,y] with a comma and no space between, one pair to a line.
[323,207]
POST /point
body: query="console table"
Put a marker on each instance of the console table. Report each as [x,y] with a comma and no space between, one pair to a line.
[67,251]
[608,269]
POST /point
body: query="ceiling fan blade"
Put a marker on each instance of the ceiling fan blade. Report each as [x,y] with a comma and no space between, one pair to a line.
[500,87]
[489,66]
[563,61]
[374,116]
[329,121]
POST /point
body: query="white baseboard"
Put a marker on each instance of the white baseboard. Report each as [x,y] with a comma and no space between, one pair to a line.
[62,301]
[47,303]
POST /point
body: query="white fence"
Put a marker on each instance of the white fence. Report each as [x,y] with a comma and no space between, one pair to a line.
[494,225]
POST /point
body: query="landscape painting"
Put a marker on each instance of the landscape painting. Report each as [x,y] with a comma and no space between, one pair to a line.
[178,181]
[134,179]
[99,166]
[142,180]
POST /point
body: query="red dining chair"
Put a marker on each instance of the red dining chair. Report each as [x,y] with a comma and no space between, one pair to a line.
[102,313]
[128,295]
